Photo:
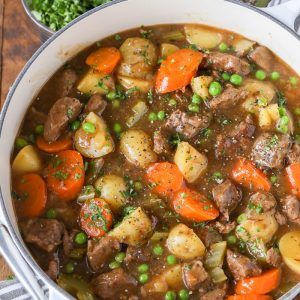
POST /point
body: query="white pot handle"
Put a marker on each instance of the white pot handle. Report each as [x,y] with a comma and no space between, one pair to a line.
[19,266]
[286,13]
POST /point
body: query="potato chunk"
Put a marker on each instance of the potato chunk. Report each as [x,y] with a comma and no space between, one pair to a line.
[97,144]
[134,228]
[289,245]
[94,82]
[112,188]
[190,162]
[167,49]
[184,243]
[141,85]
[136,146]
[27,161]
[200,86]
[202,38]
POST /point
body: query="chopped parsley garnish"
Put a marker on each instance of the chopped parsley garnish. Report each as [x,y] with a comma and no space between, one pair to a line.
[175,139]
[60,175]
[70,113]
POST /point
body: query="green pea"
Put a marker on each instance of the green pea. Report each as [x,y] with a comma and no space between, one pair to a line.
[273,179]
[69,267]
[196,99]
[143,268]
[114,265]
[39,129]
[89,127]
[275,75]
[111,95]
[215,88]
[51,213]
[138,185]
[241,218]
[260,75]
[293,80]
[297,111]
[183,294]
[236,79]
[120,257]
[81,238]
[143,278]
[161,115]
[117,128]
[152,116]
[285,120]
[194,108]
[171,260]
[225,76]
[116,103]
[223,47]
[172,102]
[20,143]
[231,239]
[170,295]
[158,250]
[75,125]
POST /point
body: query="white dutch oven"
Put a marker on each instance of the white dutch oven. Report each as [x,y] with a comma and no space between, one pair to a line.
[95,25]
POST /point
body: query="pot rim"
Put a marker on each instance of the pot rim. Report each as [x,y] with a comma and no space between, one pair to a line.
[15,237]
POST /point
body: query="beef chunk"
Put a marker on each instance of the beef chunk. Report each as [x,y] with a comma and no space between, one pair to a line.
[270,150]
[113,284]
[136,254]
[209,236]
[228,63]
[241,266]
[34,118]
[260,203]
[194,274]
[65,82]
[228,98]
[217,294]
[227,196]
[187,125]
[68,241]
[224,227]
[237,141]
[44,233]
[280,218]
[63,111]
[291,208]
[273,258]
[160,142]
[96,104]
[53,268]
[101,251]
[294,154]
[263,57]
[94,169]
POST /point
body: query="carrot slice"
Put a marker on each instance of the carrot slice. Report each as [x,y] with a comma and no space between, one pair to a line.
[32,195]
[259,285]
[165,178]
[104,60]
[55,147]
[194,206]
[293,174]
[177,71]
[96,217]
[245,173]
[65,174]
[249,297]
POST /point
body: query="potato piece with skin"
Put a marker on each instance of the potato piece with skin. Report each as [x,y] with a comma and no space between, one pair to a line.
[202,38]
[134,228]
[136,146]
[97,144]
[94,82]
[200,86]
[141,85]
[242,46]
[292,264]
[190,162]
[139,56]
[260,89]
[112,188]
[167,49]
[289,245]
[27,161]
[263,229]
[184,243]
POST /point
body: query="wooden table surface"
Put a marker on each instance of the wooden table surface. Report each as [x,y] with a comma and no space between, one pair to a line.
[18,41]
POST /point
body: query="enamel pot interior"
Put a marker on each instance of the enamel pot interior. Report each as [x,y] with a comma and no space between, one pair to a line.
[110,19]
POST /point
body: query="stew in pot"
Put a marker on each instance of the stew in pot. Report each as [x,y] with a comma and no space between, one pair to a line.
[164,163]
